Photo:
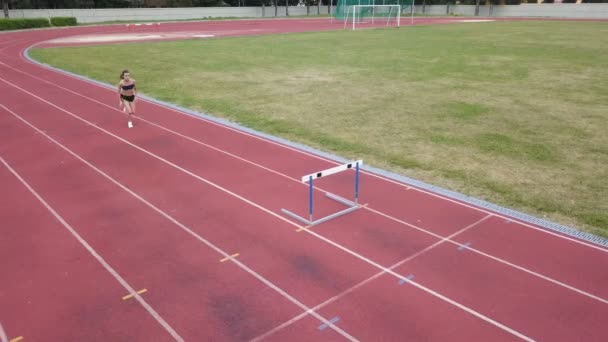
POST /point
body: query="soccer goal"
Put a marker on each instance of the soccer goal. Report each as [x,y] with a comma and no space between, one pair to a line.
[373,13]
[372,16]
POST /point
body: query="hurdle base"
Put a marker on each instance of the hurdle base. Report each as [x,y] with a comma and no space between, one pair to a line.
[352,206]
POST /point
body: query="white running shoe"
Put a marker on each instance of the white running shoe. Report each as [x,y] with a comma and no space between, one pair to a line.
[130,124]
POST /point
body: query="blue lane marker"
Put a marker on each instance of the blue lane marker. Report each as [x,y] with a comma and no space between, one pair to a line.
[462,247]
[406,279]
[332,321]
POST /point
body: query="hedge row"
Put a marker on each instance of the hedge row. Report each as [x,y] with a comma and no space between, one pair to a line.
[25,23]
[63,21]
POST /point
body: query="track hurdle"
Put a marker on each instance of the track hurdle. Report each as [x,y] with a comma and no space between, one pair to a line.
[351,205]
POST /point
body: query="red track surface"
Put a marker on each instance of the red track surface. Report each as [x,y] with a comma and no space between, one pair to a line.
[92,211]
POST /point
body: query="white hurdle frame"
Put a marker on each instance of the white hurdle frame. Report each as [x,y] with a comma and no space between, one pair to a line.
[351,205]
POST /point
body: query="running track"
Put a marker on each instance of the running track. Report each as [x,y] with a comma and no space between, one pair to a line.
[93,212]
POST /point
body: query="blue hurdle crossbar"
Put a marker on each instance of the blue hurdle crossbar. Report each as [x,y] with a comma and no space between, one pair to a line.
[310,179]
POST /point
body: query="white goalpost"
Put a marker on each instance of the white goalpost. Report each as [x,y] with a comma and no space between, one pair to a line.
[372,14]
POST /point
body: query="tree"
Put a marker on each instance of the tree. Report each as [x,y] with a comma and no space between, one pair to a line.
[252,3]
[206,3]
[5,7]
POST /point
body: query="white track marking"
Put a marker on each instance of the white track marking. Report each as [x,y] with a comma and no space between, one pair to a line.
[174,221]
[503,261]
[525,224]
[358,285]
[348,251]
[94,253]
[3,337]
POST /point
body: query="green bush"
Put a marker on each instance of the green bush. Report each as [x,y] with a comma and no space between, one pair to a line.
[63,21]
[23,23]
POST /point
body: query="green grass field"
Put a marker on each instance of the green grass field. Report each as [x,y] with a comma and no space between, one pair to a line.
[515,113]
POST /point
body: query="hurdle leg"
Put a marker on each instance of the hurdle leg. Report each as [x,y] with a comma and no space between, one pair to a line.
[357,183]
[310,187]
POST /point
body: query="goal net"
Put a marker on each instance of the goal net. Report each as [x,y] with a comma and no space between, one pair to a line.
[371,13]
